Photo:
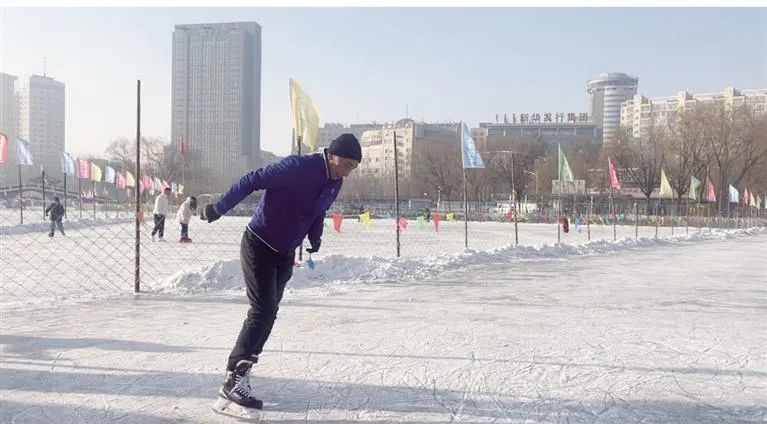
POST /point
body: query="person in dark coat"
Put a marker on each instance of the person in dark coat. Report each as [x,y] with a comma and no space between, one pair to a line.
[298,191]
[56,212]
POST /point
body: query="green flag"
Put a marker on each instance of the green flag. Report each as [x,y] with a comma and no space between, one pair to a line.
[565,174]
[692,194]
[665,187]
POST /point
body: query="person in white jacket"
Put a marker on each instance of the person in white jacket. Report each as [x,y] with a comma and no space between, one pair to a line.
[161,208]
[183,216]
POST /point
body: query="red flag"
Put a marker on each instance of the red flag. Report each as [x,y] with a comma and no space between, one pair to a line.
[746,200]
[614,183]
[183,148]
[3,147]
[83,168]
[510,216]
[141,186]
[711,192]
[337,220]
[436,218]
[403,223]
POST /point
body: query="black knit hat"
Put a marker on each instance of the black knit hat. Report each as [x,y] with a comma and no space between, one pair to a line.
[346,146]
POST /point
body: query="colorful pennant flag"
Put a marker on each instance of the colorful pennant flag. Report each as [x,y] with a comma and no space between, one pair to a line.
[665,187]
[180,189]
[68,164]
[421,222]
[692,193]
[337,220]
[109,174]
[3,148]
[365,220]
[711,192]
[614,183]
[752,201]
[95,172]
[129,180]
[450,217]
[120,181]
[306,118]
[23,152]
[174,188]
[436,218]
[734,195]
[471,156]
[565,173]
[83,168]
[402,223]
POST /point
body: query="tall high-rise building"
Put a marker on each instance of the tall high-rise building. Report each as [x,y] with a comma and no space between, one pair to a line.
[606,93]
[217,99]
[41,121]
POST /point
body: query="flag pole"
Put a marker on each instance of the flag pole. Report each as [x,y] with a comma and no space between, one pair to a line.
[80,193]
[65,195]
[514,196]
[588,217]
[21,197]
[301,246]
[396,190]
[42,175]
[615,216]
[465,214]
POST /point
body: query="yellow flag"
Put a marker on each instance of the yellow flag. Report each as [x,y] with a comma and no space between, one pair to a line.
[95,172]
[365,219]
[665,186]
[450,217]
[306,118]
[129,180]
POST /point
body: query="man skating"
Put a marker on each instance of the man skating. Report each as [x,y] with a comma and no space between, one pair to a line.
[298,192]
[56,211]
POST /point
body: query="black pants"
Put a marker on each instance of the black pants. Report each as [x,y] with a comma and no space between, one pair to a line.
[266,272]
[55,224]
[184,230]
[159,225]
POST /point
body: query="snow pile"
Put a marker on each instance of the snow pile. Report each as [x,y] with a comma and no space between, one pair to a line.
[340,271]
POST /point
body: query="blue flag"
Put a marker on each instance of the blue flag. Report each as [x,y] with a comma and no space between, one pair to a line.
[471,157]
[23,153]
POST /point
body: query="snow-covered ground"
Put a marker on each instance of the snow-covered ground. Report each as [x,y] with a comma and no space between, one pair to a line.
[638,331]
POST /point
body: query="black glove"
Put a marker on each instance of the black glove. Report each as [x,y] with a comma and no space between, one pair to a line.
[315,245]
[209,213]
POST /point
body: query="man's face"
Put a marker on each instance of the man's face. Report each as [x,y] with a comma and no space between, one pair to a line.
[341,167]
[167,192]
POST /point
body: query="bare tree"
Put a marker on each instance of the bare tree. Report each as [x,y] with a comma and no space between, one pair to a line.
[735,140]
[684,150]
[640,158]
[437,166]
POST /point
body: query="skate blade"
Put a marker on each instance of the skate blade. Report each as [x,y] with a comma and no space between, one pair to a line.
[230,409]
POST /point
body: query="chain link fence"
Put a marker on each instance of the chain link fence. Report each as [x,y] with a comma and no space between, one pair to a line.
[97,254]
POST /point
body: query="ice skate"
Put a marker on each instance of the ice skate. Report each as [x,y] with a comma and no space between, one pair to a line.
[235,397]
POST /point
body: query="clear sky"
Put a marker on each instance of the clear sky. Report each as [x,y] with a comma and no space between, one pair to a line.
[369,64]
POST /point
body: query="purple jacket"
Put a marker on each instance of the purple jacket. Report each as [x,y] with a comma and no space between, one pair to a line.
[298,193]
